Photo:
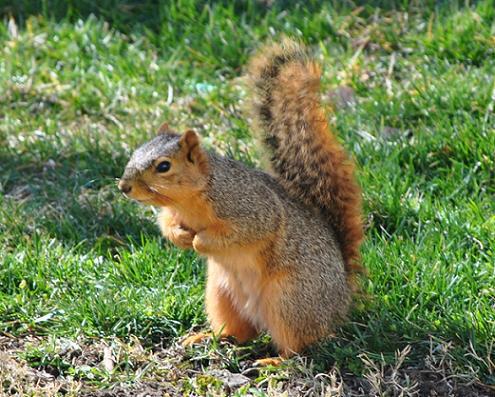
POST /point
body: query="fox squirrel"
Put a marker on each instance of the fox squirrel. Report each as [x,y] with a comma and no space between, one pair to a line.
[282,248]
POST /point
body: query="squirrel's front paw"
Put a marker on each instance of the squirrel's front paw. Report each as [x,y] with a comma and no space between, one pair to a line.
[181,237]
[201,243]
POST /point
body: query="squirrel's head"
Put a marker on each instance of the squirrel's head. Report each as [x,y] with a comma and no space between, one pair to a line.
[167,169]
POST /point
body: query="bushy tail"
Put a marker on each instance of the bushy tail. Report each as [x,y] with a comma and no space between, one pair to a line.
[310,163]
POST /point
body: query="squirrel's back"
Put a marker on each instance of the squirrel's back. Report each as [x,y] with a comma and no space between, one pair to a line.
[307,158]
[287,272]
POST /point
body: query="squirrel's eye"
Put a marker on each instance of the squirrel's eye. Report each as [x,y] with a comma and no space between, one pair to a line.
[164,166]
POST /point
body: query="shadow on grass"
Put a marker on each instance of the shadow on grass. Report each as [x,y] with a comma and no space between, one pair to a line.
[127,15]
[71,196]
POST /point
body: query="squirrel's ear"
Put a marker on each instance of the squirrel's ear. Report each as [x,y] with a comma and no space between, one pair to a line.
[163,128]
[189,144]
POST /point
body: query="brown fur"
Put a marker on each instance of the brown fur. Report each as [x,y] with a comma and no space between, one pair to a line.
[305,154]
[274,262]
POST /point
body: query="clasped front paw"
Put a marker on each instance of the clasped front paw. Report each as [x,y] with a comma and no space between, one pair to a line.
[201,243]
[182,237]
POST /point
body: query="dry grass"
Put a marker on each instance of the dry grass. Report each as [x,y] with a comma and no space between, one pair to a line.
[113,368]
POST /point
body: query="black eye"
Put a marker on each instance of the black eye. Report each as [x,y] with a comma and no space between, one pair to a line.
[164,166]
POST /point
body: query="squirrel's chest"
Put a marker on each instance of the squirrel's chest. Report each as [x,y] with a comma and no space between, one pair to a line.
[240,275]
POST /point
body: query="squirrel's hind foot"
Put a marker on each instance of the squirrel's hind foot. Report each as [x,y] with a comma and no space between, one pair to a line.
[269,361]
[195,339]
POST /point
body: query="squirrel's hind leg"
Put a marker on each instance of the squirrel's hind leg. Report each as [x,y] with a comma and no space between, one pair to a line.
[292,326]
[224,317]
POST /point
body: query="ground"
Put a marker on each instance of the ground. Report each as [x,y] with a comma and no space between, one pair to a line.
[93,302]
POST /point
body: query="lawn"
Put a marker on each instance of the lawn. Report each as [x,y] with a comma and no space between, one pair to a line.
[93,301]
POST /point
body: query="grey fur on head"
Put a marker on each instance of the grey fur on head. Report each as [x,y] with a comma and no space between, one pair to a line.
[162,145]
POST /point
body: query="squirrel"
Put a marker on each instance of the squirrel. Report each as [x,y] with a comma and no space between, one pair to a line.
[282,247]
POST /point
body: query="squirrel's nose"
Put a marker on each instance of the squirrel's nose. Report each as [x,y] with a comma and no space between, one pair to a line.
[124,186]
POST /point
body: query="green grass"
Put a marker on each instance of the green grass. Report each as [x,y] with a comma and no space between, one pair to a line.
[80,262]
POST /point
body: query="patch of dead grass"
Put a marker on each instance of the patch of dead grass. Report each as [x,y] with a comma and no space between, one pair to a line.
[114,368]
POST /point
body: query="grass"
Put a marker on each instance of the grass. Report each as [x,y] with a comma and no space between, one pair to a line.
[85,278]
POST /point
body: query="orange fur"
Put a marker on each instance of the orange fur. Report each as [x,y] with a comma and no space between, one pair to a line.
[340,194]
[272,244]
[224,317]
[304,152]
[287,342]
[176,232]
